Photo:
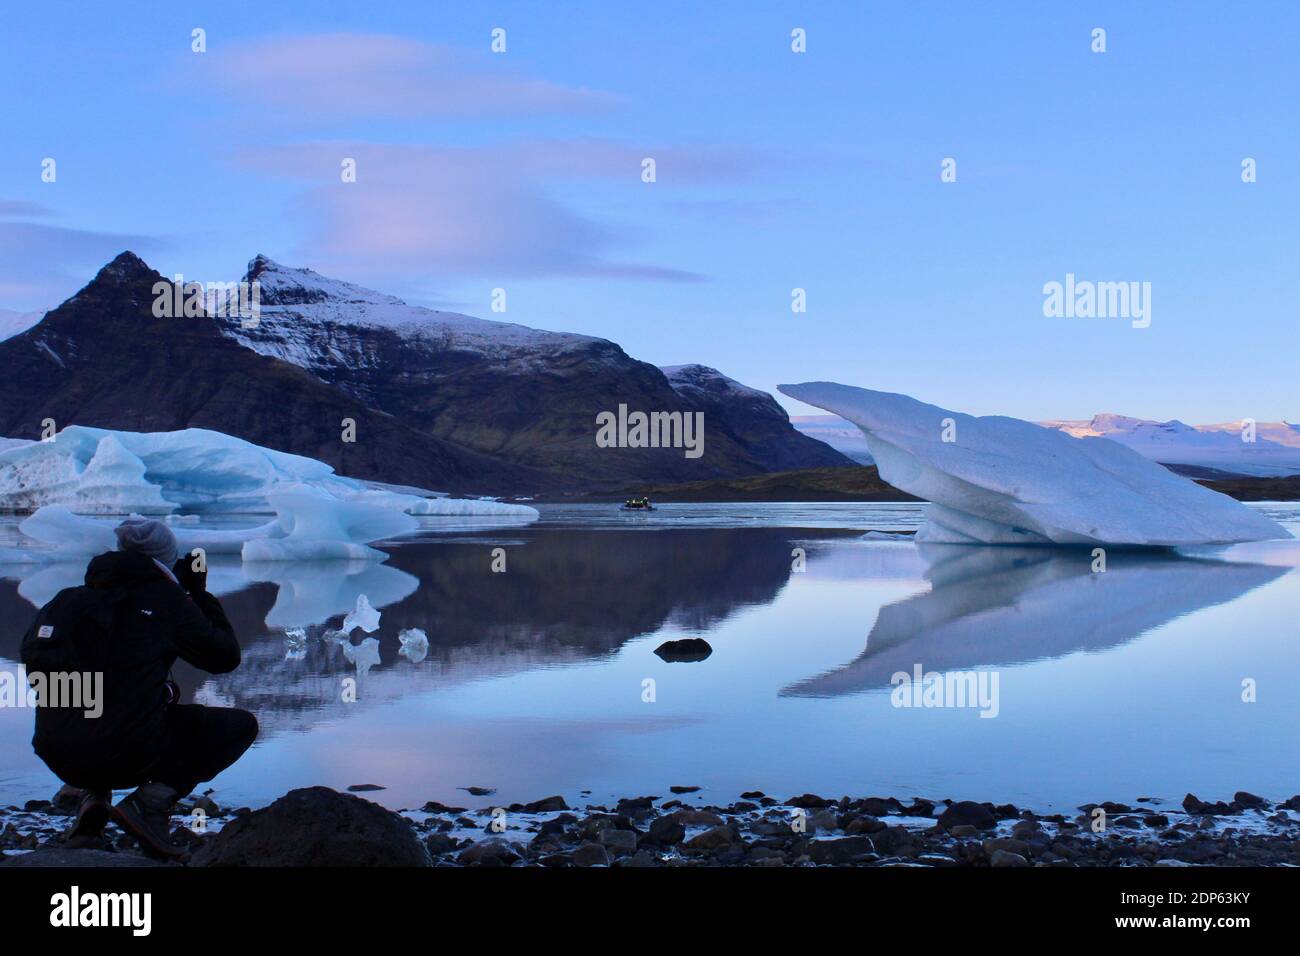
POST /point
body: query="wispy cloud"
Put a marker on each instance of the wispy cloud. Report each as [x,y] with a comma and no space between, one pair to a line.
[345,75]
[475,211]
[41,264]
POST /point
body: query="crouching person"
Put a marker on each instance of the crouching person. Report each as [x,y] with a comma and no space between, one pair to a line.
[142,607]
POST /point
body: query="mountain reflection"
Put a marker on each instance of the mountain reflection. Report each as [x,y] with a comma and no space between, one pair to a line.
[565,597]
[998,606]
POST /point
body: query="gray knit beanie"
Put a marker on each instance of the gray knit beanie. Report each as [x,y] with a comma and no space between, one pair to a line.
[148,536]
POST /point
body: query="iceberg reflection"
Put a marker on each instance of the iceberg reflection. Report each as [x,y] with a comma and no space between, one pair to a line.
[998,606]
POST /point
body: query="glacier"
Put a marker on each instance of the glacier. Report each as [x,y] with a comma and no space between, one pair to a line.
[1000,480]
[72,482]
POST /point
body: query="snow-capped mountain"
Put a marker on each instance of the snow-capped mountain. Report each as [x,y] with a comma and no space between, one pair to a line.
[524,395]
[753,416]
[103,359]
[439,400]
[1221,447]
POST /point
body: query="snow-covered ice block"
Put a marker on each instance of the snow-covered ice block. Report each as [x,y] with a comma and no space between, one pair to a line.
[999,480]
[415,644]
[89,474]
[362,616]
[314,525]
[69,533]
[102,471]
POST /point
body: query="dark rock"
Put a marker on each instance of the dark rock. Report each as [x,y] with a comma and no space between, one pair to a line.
[490,853]
[1194,805]
[63,857]
[731,856]
[967,813]
[439,843]
[315,826]
[808,801]
[37,806]
[666,831]
[713,839]
[695,818]
[686,651]
[843,850]
[919,808]
[545,805]
[478,791]
[434,806]
[618,841]
[1003,858]
[1248,800]
[684,789]
[1156,820]
[864,823]
[752,795]
[590,854]
[893,840]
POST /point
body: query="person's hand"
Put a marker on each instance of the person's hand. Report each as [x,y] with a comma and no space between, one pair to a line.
[191,580]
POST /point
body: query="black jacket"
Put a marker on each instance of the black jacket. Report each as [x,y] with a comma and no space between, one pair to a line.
[154,622]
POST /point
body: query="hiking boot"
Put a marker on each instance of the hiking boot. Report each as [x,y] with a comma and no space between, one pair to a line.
[92,813]
[146,815]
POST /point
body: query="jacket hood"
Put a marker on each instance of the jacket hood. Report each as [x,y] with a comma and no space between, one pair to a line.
[116,569]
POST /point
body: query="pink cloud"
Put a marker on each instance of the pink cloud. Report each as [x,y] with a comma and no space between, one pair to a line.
[473,211]
[340,75]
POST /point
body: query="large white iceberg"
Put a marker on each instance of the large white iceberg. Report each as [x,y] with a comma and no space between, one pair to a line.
[998,480]
[102,471]
[73,482]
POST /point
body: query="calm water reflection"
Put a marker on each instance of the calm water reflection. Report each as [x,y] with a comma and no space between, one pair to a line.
[1112,685]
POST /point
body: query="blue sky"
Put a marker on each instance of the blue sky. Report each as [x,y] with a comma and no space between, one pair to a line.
[775,170]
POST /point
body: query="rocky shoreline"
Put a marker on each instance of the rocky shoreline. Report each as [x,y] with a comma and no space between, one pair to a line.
[317,826]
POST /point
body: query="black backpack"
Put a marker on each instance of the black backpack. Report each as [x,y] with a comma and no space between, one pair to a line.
[71,634]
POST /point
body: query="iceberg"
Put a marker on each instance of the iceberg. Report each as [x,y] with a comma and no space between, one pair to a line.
[415,644]
[999,480]
[362,616]
[102,471]
[85,472]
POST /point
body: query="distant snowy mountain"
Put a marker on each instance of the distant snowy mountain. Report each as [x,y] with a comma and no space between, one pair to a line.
[1275,451]
[11,322]
[1207,446]
[845,437]
[527,396]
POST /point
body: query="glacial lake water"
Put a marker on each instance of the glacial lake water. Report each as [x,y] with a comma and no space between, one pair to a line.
[1110,686]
